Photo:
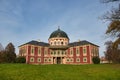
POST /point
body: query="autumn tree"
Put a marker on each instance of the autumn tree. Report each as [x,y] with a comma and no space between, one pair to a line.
[113,17]
[112,54]
[108,53]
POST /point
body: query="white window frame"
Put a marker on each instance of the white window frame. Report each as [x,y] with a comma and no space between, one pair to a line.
[45,59]
[71,60]
[67,60]
[45,52]
[39,51]
[32,59]
[38,59]
[71,52]
[84,52]
[84,59]
[32,50]
[77,51]
[49,59]
[77,59]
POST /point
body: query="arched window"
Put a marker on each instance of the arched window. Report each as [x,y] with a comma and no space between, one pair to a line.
[62,43]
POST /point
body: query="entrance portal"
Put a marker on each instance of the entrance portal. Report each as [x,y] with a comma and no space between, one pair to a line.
[58,60]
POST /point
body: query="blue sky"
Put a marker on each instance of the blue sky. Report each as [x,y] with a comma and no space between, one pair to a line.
[24,20]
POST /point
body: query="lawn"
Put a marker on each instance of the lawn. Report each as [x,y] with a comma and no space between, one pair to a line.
[59,72]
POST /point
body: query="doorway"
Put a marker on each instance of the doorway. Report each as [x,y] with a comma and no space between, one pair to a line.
[58,60]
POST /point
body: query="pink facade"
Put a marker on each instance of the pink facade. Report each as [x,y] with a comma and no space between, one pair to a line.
[59,50]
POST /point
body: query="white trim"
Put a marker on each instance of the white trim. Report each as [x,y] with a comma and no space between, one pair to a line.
[32,59]
[77,59]
[78,51]
[38,59]
[32,51]
[45,59]
[39,51]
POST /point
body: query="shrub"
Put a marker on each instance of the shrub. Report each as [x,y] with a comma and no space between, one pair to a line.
[96,60]
[20,60]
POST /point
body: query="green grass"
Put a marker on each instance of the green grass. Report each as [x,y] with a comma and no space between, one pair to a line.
[59,72]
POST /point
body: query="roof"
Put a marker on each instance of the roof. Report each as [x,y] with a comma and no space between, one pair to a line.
[36,43]
[84,42]
[58,33]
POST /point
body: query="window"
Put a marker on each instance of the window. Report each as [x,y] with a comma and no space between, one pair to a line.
[31,59]
[96,52]
[67,60]
[45,51]
[39,52]
[58,52]
[71,52]
[92,51]
[54,52]
[51,53]
[84,50]
[77,59]
[65,52]
[62,52]
[39,60]
[45,59]
[62,43]
[71,59]
[77,52]
[49,59]
[84,59]
[32,50]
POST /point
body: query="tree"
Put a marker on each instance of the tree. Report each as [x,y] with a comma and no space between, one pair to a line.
[3,57]
[116,43]
[108,52]
[96,60]
[1,47]
[10,53]
[112,54]
[114,17]
[20,59]
[113,28]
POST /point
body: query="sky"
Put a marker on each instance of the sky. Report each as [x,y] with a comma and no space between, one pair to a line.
[24,20]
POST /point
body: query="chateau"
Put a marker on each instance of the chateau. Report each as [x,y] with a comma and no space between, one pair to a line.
[59,50]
